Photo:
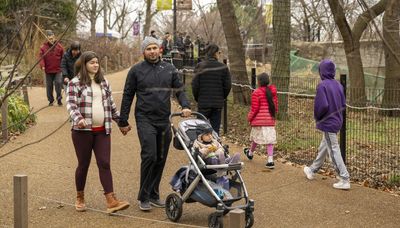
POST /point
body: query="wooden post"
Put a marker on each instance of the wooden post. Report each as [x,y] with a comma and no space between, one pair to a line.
[227,220]
[20,201]
[4,111]
[237,219]
[25,93]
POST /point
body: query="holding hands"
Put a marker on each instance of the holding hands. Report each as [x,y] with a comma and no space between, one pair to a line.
[125,130]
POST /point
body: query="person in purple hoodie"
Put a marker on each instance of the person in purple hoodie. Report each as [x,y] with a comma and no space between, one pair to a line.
[328,106]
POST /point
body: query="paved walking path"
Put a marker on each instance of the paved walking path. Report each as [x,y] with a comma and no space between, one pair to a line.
[283,197]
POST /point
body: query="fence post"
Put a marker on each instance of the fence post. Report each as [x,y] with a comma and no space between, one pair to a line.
[4,112]
[343,129]
[25,93]
[237,219]
[253,77]
[225,114]
[20,201]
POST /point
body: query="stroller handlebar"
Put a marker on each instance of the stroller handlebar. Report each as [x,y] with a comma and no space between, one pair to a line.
[196,114]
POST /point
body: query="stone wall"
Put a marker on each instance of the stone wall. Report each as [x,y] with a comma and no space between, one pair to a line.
[372,53]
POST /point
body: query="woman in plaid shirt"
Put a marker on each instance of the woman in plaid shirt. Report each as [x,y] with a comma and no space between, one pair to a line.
[91,108]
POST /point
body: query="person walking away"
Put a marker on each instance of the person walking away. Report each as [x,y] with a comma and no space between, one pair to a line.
[166,44]
[152,81]
[211,86]
[68,62]
[91,107]
[329,104]
[262,118]
[50,63]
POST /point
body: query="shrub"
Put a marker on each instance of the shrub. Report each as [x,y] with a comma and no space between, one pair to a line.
[19,116]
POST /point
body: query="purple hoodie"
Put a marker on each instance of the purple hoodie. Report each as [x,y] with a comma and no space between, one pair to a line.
[330,100]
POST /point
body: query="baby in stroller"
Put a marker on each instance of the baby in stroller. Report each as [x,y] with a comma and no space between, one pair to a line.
[212,152]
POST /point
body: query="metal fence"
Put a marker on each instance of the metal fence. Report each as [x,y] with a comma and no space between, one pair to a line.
[372,140]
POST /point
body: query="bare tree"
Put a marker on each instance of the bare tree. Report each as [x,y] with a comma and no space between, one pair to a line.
[281,50]
[236,53]
[351,41]
[91,10]
[392,46]
[118,17]
[149,16]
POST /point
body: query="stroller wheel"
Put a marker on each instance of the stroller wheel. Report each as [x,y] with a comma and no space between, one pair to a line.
[249,219]
[173,207]
[215,220]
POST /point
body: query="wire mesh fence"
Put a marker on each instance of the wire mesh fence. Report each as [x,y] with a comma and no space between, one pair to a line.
[372,136]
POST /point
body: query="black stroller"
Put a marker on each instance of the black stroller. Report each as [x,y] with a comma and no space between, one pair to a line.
[196,182]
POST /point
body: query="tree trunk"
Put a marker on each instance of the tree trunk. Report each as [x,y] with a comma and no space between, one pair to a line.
[351,38]
[93,19]
[149,15]
[236,55]
[391,35]
[281,53]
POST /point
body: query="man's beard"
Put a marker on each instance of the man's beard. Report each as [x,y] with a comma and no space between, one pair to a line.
[153,60]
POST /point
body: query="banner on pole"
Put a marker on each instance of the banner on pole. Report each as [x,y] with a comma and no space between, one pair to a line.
[183,4]
[136,28]
[164,5]
[268,13]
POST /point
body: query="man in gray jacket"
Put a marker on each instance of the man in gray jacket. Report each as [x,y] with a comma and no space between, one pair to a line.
[152,80]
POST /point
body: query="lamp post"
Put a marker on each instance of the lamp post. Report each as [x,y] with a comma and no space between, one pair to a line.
[174,23]
[140,13]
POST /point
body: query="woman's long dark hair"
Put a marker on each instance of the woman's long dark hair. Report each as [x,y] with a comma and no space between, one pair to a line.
[80,66]
[263,80]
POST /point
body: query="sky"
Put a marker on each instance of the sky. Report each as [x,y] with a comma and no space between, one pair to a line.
[85,26]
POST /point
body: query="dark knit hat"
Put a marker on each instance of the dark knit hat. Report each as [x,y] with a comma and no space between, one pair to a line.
[204,129]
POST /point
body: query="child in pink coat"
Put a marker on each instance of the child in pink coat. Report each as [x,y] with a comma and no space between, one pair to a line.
[264,106]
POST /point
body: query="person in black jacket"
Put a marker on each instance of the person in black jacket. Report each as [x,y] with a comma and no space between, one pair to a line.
[152,81]
[211,86]
[68,61]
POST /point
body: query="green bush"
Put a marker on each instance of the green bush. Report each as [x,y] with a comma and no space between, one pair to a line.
[19,115]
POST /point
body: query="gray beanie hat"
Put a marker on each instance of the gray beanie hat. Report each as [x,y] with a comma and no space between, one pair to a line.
[149,40]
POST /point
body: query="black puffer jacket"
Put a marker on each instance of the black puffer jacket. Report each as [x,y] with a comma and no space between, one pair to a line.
[153,84]
[67,64]
[211,83]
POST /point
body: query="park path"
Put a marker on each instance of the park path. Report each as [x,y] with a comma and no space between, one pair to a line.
[283,197]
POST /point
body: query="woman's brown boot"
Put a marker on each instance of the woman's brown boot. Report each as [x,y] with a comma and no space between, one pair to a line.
[80,201]
[113,204]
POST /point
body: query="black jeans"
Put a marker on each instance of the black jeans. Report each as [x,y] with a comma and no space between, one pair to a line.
[154,141]
[56,80]
[213,115]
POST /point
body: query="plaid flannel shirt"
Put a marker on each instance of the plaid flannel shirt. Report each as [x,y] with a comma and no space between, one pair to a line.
[79,104]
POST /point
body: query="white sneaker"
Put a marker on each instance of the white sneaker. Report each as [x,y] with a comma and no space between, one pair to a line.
[309,174]
[342,184]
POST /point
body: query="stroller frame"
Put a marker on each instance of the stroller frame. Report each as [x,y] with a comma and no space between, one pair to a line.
[197,164]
